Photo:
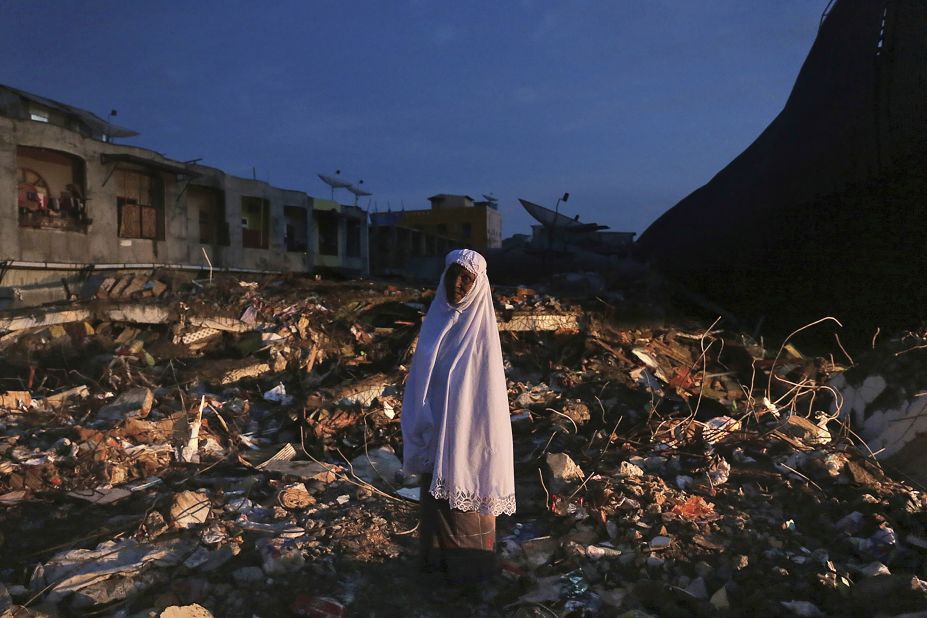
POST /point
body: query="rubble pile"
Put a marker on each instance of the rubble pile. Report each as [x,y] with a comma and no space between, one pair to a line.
[884,395]
[232,447]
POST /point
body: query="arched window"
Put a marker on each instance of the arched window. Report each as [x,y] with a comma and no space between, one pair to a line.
[50,189]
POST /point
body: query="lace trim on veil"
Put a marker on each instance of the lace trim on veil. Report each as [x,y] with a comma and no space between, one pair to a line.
[468,501]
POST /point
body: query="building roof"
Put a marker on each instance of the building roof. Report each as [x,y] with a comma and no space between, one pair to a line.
[10,106]
[164,166]
[441,196]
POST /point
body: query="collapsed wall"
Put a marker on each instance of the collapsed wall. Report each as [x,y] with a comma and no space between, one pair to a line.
[822,213]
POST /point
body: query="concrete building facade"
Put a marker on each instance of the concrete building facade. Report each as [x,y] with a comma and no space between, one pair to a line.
[249,224]
[72,201]
[340,236]
[401,250]
[468,224]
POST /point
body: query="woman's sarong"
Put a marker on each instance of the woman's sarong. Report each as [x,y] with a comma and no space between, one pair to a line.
[460,545]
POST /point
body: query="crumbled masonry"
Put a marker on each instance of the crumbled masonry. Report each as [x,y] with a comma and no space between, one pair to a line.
[232,448]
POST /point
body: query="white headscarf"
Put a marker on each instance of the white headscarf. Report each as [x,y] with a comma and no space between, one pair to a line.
[455,410]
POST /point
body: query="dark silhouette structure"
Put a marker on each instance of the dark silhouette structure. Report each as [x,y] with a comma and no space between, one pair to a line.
[824,213]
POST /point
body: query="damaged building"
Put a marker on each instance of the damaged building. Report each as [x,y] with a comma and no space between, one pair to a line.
[77,203]
[589,254]
[413,243]
[823,213]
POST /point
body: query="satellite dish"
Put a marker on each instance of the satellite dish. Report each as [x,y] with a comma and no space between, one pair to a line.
[334,183]
[357,191]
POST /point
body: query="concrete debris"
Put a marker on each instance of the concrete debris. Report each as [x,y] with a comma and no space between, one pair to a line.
[363,392]
[246,370]
[563,471]
[628,469]
[197,338]
[577,411]
[43,319]
[140,314]
[14,400]
[63,397]
[539,551]
[210,447]
[12,497]
[539,321]
[133,402]
[186,611]
[189,509]
[112,571]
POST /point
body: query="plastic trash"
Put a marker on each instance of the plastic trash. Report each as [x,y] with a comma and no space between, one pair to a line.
[278,394]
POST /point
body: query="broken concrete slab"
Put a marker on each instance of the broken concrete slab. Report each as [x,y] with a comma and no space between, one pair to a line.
[140,314]
[136,285]
[121,284]
[197,335]
[13,497]
[40,319]
[13,400]
[525,321]
[105,286]
[112,571]
[222,323]
[62,397]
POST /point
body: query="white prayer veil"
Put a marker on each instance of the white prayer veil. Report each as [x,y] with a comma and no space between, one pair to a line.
[455,409]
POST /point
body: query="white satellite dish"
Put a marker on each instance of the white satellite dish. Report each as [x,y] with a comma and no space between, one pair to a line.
[357,191]
[334,182]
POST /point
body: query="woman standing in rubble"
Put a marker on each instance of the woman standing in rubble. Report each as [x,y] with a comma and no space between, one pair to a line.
[455,424]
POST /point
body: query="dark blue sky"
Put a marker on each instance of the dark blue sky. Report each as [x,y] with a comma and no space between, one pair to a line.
[627,105]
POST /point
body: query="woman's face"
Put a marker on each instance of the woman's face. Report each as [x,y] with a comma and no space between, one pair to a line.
[457,282]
